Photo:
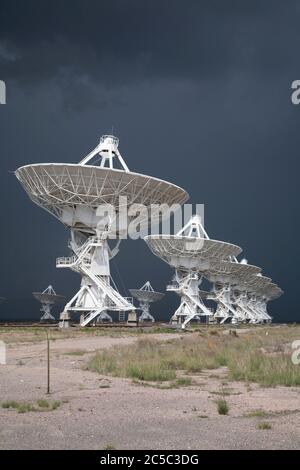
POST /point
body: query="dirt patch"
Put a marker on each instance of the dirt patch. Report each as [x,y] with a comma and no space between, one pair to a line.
[96,411]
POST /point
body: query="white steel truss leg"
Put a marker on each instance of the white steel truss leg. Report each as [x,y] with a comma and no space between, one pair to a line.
[96,295]
[256,307]
[186,285]
[225,308]
[241,301]
[146,315]
[46,309]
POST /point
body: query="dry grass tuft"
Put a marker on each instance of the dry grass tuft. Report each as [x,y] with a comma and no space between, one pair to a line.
[24,407]
[264,425]
[251,357]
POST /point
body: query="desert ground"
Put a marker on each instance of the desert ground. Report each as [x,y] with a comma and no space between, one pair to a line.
[90,410]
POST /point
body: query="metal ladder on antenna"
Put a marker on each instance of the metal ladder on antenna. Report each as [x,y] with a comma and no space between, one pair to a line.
[82,264]
[122,316]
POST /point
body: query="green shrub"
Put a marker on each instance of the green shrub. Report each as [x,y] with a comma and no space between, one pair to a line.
[223,407]
[43,403]
[264,425]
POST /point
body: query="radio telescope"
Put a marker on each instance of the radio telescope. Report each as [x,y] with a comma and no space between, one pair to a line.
[74,193]
[240,291]
[191,253]
[146,295]
[47,298]
[224,276]
[264,295]
[259,293]
[245,298]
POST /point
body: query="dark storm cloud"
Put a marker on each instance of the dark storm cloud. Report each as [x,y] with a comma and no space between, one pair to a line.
[120,41]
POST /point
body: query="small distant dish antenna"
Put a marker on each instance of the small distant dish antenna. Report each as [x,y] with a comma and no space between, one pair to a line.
[47,298]
[146,295]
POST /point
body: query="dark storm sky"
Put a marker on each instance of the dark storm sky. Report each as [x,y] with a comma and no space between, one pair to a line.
[198,93]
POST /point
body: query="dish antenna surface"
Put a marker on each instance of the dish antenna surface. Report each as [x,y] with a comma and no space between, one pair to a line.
[74,193]
[146,295]
[191,253]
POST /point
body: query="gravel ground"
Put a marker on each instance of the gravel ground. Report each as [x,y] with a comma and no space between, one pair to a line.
[98,411]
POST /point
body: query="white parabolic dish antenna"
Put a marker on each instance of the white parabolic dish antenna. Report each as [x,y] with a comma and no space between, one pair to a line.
[146,295]
[191,253]
[232,273]
[73,193]
[48,298]
[189,249]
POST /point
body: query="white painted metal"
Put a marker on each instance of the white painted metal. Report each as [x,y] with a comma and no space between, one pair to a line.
[225,275]
[250,300]
[238,288]
[146,295]
[96,295]
[73,193]
[108,150]
[186,285]
[191,253]
[247,297]
[47,298]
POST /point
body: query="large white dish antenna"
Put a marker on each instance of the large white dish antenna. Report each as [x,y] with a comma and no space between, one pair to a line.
[79,195]
[190,252]
[73,192]
[227,272]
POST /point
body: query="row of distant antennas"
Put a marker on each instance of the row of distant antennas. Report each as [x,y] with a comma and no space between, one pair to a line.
[48,298]
[108,150]
[194,227]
